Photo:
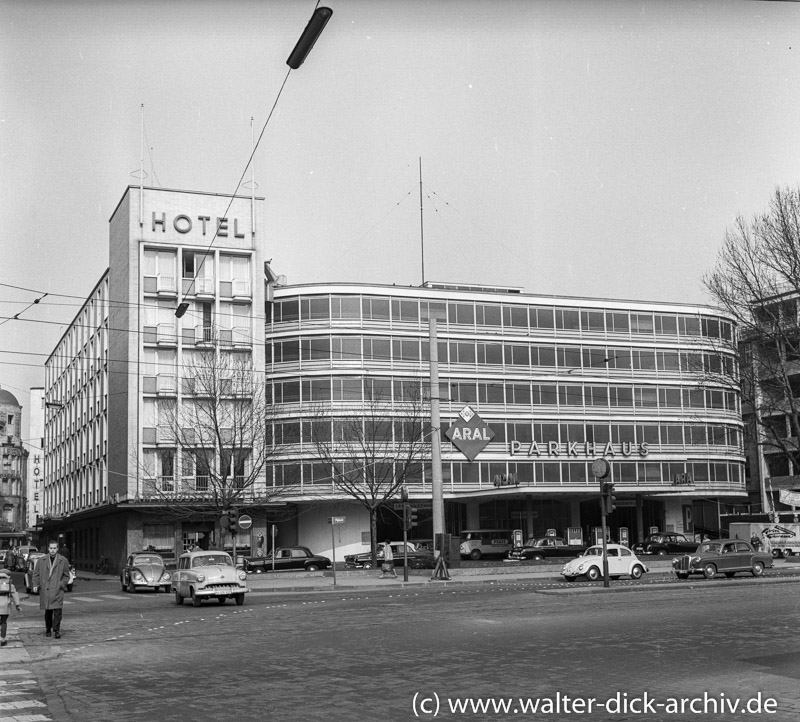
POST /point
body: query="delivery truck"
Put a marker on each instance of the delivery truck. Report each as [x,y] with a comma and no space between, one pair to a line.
[781,539]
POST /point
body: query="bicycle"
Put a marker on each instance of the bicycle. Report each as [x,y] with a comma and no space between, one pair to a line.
[102,566]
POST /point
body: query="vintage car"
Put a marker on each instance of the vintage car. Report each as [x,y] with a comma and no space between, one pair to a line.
[208,574]
[663,544]
[621,562]
[417,558]
[17,558]
[544,547]
[287,559]
[33,557]
[144,570]
[723,556]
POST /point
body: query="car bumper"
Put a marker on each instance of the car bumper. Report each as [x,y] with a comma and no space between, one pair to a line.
[221,591]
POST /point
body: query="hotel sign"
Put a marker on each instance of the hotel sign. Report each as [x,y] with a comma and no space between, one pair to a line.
[469,433]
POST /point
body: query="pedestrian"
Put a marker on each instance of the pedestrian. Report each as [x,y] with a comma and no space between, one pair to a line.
[755,541]
[388,561]
[50,578]
[8,594]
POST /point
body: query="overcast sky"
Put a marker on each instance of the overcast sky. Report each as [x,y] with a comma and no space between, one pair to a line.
[582,148]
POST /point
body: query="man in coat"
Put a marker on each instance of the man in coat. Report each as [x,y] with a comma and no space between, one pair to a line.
[50,579]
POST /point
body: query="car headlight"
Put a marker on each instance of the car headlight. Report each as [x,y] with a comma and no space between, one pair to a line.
[137,577]
[201,577]
[581,566]
[165,577]
[242,576]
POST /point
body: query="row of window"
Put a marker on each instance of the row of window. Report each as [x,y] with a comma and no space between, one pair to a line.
[397,431]
[700,472]
[511,393]
[483,353]
[365,308]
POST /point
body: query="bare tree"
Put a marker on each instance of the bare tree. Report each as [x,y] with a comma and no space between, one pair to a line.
[376,449]
[757,281]
[222,441]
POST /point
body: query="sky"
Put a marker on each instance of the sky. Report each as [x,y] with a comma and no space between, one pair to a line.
[583,148]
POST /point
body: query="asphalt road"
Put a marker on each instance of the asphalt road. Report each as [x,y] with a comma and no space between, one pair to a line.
[403,654]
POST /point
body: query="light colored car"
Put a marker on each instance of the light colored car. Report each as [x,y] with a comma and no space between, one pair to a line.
[144,570]
[208,574]
[34,557]
[621,562]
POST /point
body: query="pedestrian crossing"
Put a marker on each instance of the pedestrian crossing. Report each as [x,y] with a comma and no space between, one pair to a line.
[21,698]
[33,601]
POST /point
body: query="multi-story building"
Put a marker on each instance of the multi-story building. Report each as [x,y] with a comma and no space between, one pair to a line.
[560,381]
[114,477]
[13,471]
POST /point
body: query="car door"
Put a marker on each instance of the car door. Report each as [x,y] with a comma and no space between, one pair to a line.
[615,563]
[728,558]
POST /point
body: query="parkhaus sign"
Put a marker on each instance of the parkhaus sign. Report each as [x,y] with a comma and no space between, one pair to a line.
[578,449]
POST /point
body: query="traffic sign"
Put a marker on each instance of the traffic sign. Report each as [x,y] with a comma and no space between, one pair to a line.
[469,433]
[245,522]
[337,519]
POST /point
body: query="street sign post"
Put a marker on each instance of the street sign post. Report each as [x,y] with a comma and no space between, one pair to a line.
[333,521]
[245,522]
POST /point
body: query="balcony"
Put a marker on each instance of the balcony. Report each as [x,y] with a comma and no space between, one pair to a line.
[161,284]
[198,286]
[239,289]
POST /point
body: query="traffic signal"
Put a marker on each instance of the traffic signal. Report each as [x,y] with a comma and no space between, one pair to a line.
[224,521]
[409,517]
[233,519]
[609,500]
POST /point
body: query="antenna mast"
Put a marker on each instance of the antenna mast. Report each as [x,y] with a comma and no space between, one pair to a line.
[141,172]
[421,228]
[252,180]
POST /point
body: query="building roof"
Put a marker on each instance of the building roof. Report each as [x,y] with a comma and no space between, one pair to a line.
[7,398]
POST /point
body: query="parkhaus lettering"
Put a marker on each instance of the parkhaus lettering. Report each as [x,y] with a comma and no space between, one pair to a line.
[578,448]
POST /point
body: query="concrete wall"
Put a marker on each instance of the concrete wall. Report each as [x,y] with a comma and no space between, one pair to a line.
[314,531]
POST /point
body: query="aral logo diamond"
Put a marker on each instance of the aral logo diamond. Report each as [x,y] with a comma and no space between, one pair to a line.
[469,433]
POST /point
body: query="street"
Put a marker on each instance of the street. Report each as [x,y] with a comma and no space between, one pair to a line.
[397,654]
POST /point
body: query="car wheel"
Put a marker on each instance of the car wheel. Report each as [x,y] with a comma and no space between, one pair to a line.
[166,588]
[593,574]
[758,569]
[636,572]
[729,575]
[776,553]
[787,553]
[69,587]
[312,568]
[239,599]
[570,579]
[683,576]
[709,571]
[537,558]
[366,565]
[195,599]
[475,554]
[222,600]
[122,584]
[178,598]
[662,552]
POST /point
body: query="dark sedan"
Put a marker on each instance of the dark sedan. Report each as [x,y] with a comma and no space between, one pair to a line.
[663,544]
[545,548]
[417,558]
[145,570]
[722,557]
[288,559]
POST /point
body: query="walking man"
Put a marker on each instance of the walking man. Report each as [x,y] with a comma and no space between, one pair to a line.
[50,578]
[388,561]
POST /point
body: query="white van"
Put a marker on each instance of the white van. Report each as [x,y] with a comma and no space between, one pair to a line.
[478,543]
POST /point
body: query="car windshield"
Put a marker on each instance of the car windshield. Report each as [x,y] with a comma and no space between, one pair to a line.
[148,559]
[708,548]
[208,560]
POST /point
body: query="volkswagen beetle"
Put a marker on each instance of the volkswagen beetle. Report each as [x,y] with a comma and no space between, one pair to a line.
[621,562]
[144,570]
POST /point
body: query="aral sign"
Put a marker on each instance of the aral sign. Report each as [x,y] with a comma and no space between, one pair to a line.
[469,433]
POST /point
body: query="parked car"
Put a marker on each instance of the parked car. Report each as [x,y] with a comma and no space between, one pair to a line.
[30,566]
[17,558]
[144,570]
[544,548]
[287,559]
[723,556]
[477,543]
[208,574]
[621,562]
[663,544]
[417,558]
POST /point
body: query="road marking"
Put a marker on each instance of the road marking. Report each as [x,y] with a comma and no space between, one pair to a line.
[114,596]
[81,599]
